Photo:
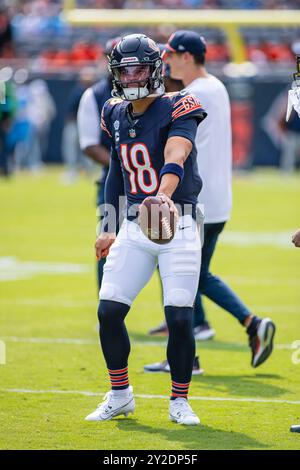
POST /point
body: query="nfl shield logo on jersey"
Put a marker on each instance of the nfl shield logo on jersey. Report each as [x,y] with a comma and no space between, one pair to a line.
[132,133]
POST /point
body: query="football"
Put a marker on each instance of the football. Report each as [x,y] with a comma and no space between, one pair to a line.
[156,220]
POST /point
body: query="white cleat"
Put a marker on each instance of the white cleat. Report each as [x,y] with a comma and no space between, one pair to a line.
[182,413]
[113,406]
[203,332]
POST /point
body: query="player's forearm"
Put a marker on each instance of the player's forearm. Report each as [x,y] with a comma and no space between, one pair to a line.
[168,184]
[176,152]
[98,154]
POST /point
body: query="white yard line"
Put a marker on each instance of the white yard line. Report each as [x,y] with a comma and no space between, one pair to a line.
[12,269]
[148,397]
[82,341]
[76,341]
[279,239]
[51,302]
[261,281]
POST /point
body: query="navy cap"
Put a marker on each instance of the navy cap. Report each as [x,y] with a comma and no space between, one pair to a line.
[186,41]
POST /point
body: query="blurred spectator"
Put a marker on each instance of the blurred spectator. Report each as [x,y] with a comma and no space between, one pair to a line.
[20,134]
[72,154]
[7,113]
[41,111]
[30,131]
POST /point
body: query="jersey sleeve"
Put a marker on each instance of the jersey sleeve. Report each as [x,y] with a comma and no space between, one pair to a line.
[187,113]
[105,120]
[114,189]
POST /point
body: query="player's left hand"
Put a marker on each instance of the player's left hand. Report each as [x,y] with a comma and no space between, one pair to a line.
[103,244]
[296,239]
[164,198]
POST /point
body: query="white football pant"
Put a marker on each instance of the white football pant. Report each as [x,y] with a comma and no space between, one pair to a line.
[133,258]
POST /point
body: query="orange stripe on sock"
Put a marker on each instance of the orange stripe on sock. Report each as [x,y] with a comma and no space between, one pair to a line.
[175,384]
[120,384]
[119,371]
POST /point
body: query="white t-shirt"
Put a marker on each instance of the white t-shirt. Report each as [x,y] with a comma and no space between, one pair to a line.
[88,120]
[214,148]
[294,99]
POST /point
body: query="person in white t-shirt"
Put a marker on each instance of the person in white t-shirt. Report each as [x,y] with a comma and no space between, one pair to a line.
[185,54]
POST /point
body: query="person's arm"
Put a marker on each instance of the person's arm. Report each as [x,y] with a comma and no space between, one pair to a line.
[89,129]
[114,189]
[98,153]
[177,150]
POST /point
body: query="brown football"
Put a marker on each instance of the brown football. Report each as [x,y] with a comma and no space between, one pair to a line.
[156,220]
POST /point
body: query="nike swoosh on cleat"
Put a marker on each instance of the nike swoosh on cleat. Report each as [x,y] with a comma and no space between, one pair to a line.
[182,228]
[119,409]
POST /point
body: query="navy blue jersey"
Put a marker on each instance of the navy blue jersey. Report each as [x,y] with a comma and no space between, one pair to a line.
[138,145]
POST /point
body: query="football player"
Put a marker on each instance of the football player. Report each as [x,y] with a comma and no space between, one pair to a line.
[152,136]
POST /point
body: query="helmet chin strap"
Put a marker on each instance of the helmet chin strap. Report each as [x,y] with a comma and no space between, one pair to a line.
[158,92]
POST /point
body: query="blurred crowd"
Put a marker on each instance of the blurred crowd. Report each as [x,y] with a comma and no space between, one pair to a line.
[224,4]
[35,29]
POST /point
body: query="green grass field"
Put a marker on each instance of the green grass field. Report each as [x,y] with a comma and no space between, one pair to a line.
[48,304]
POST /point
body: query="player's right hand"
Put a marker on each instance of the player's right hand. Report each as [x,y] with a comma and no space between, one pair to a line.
[164,198]
[103,244]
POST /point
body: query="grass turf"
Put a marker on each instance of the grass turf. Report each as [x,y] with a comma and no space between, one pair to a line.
[45,222]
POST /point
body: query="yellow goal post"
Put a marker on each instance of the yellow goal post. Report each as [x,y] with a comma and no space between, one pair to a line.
[228,20]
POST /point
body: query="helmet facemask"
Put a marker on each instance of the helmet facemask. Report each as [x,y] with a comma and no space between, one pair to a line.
[136,81]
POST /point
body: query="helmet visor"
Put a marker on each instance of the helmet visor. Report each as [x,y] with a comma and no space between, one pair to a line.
[133,75]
